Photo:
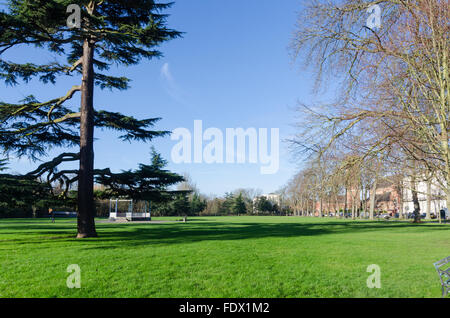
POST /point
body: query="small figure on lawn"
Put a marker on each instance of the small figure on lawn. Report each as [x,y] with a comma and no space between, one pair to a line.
[52,215]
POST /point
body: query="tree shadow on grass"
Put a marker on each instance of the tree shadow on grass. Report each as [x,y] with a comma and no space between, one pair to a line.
[131,235]
[191,233]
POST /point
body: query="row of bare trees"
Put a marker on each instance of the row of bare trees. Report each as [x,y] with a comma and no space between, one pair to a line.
[353,187]
[335,184]
[391,115]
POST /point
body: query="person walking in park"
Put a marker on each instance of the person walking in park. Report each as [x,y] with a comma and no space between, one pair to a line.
[52,215]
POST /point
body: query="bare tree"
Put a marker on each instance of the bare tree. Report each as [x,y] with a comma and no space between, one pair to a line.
[395,80]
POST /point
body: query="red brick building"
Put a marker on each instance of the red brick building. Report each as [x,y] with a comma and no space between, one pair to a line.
[387,199]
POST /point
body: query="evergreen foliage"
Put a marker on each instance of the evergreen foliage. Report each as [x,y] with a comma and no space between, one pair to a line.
[112,32]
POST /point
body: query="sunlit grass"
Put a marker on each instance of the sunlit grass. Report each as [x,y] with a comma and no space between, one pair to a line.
[223,257]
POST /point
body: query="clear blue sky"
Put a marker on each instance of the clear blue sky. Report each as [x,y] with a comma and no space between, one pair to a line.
[231,69]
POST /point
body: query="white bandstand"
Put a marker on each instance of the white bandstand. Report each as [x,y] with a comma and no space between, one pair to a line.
[129,210]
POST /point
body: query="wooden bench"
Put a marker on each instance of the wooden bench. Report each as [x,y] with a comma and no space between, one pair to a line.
[54,215]
[443,269]
[65,214]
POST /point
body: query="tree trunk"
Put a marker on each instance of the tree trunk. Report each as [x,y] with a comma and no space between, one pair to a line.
[415,199]
[428,199]
[328,206]
[86,207]
[353,208]
[345,203]
[361,209]
[366,192]
[401,194]
[320,208]
[373,192]
[444,140]
[447,200]
[337,207]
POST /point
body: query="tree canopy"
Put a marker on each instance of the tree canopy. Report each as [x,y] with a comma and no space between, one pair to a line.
[111,32]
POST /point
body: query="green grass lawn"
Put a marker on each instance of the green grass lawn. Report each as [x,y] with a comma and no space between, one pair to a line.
[223,257]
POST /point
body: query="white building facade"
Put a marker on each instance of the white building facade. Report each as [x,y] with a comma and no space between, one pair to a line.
[437,198]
